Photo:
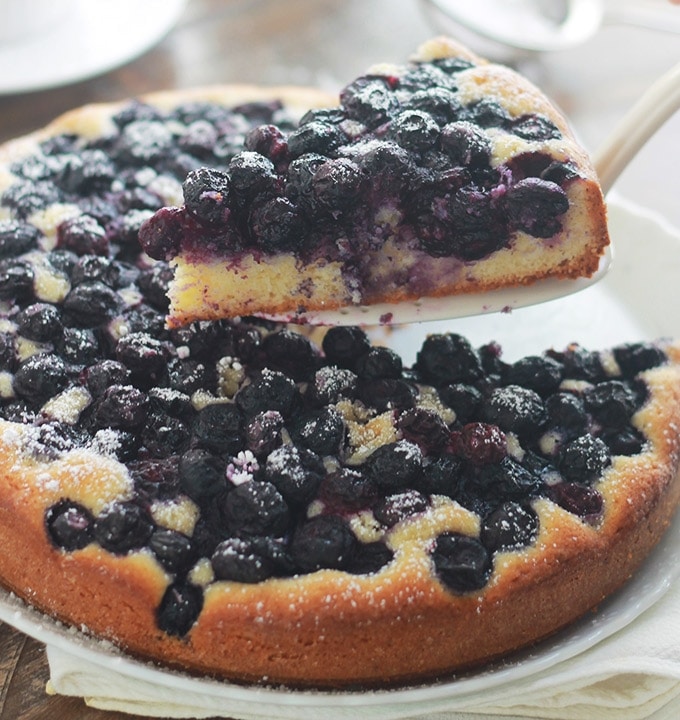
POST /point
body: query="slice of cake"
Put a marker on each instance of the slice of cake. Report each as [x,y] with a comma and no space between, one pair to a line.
[448,175]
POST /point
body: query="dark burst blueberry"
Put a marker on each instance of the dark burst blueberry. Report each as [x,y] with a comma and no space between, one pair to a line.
[507,480]
[219,427]
[395,466]
[509,527]
[256,508]
[69,525]
[465,144]
[425,75]
[566,411]
[240,560]
[271,391]
[611,402]
[369,558]
[82,235]
[90,171]
[371,101]
[534,206]
[325,541]
[487,113]
[515,409]
[91,268]
[344,345]
[581,500]
[206,195]
[624,441]
[542,374]
[263,432]
[377,363]
[163,436]
[17,238]
[453,65]
[535,127]
[202,474]
[581,364]
[276,225]
[387,394]
[394,508]
[464,399]
[267,140]
[321,431]
[425,428]
[91,304]
[461,562]
[179,608]
[440,103]
[161,235]
[300,177]
[296,472]
[173,550]
[136,111]
[154,283]
[584,459]
[143,142]
[198,138]
[560,172]
[26,197]
[40,377]
[16,280]
[251,173]
[392,167]
[40,321]
[79,346]
[8,351]
[171,402]
[122,527]
[337,185]
[189,375]
[144,355]
[347,490]
[479,443]
[415,130]
[329,385]
[121,406]
[315,137]
[442,475]
[637,357]
[448,358]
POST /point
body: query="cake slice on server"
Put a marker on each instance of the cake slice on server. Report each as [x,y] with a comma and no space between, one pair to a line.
[446,176]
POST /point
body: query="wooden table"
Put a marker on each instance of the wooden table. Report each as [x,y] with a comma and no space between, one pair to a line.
[325,43]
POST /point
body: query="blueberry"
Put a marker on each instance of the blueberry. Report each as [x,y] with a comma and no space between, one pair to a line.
[391,166]
[624,441]
[219,427]
[371,101]
[143,142]
[329,385]
[25,197]
[82,235]
[300,177]
[88,172]
[40,377]
[487,113]
[144,355]
[206,195]
[135,111]
[321,431]
[256,508]
[69,525]
[121,406]
[387,394]
[296,472]
[480,443]
[238,560]
[122,527]
[566,411]
[161,235]
[542,374]
[347,489]
[535,127]
[510,527]
[448,358]
[315,137]
[394,508]
[8,351]
[179,608]
[325,541]
[369,558]
[267,140]
[173,550]
[91,268]
[263,432]
[637,357]
[17,238]
[461,562]
[163,436]
[515,409]
[395,466]
[202,474]
[154,283]
[465,144]
[440,103]
[464,399]
[581,500]
[40,321]
[276,225]
[425,428]
[507,480]
[584,459]
[337,185]
[453,65]
[91,304]
[198,138]
[581,364]
[442,475]
[344,345]
[415,130]
[611,402]
[379,362]
[251,173]
[271,391]
[79,346]
[171,402]
[534,206]
[16,280]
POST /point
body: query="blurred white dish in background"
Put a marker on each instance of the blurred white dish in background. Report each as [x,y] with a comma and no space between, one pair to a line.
[82,39]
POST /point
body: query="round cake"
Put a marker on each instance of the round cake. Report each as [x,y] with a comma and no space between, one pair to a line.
[235,499]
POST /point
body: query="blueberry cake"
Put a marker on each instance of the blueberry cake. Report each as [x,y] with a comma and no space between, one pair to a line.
[445,176]
[233,499]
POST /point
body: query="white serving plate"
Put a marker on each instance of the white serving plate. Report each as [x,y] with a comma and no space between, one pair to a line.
[637,300]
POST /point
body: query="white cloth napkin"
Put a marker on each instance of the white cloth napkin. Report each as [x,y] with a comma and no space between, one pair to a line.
[633,674]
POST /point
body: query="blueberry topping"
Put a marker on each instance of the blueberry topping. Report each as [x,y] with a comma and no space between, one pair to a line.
[396,465]
[40,377]
[325,541]
[510,527]
[394,508]
[584,459]
[256,508]
[206,195]
[172,549]
[122,527]
[295,472]
[69,525]
[461,562]
[179,609]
